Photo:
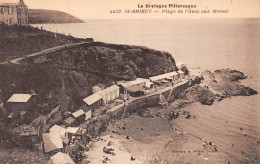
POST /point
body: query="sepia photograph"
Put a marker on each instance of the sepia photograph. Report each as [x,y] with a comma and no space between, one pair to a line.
[129,82]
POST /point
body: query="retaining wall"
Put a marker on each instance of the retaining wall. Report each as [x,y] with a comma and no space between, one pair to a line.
[98,125]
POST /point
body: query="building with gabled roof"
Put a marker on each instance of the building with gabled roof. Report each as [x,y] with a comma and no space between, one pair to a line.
[110,93]
[79,116]
[78,113]
[132,87]
[56,129]
[61,158]
[70,121]
[164,78]
[51,142]
[19,98]
[13,12]
[92,99]
[21,102]
[72,129]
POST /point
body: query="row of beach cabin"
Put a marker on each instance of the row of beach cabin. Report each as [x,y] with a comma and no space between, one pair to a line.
[101,96]
[137,87]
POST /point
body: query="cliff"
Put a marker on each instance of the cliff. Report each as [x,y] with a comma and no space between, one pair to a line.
[40,16]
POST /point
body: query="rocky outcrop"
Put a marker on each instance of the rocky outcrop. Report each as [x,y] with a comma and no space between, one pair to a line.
[198,93]
[120,62]
[216,85]
[226,83]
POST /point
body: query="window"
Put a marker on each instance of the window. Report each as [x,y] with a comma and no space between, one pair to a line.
[2,11]
[10,10]
[19,11]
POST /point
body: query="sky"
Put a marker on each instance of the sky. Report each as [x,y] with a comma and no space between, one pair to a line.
[100,9]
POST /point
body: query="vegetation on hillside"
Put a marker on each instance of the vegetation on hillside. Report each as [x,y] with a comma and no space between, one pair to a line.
[22,156]
[17,150]
[17,41]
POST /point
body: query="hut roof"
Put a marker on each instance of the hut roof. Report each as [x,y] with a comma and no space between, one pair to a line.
[19,98]
[163,76]
[78,113]
[134,88]
[57,130]
[61,158]
[69,120]
[108,90]
[51,142]
[92,99]
[130,83]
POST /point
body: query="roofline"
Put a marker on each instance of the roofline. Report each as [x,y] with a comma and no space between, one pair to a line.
[7,4]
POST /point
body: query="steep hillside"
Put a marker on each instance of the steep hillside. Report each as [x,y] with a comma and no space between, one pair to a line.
[17,41]
[40,16]
[67,76]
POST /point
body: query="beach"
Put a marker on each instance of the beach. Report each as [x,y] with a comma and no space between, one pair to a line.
[154,140]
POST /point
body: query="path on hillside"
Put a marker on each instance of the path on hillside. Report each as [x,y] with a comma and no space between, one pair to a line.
[46,51]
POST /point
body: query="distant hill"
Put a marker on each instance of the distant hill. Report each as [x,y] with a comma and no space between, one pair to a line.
[40,16]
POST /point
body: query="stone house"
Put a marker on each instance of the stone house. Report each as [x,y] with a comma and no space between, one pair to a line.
[13,12]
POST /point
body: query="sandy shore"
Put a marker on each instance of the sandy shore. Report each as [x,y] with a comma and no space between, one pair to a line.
[121,155]
[180,141]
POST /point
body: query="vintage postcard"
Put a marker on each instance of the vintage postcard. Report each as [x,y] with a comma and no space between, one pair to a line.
[129,82]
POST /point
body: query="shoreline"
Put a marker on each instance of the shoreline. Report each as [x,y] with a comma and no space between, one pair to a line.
[181,139]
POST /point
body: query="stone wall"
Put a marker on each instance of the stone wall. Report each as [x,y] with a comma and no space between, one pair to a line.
[98,125]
